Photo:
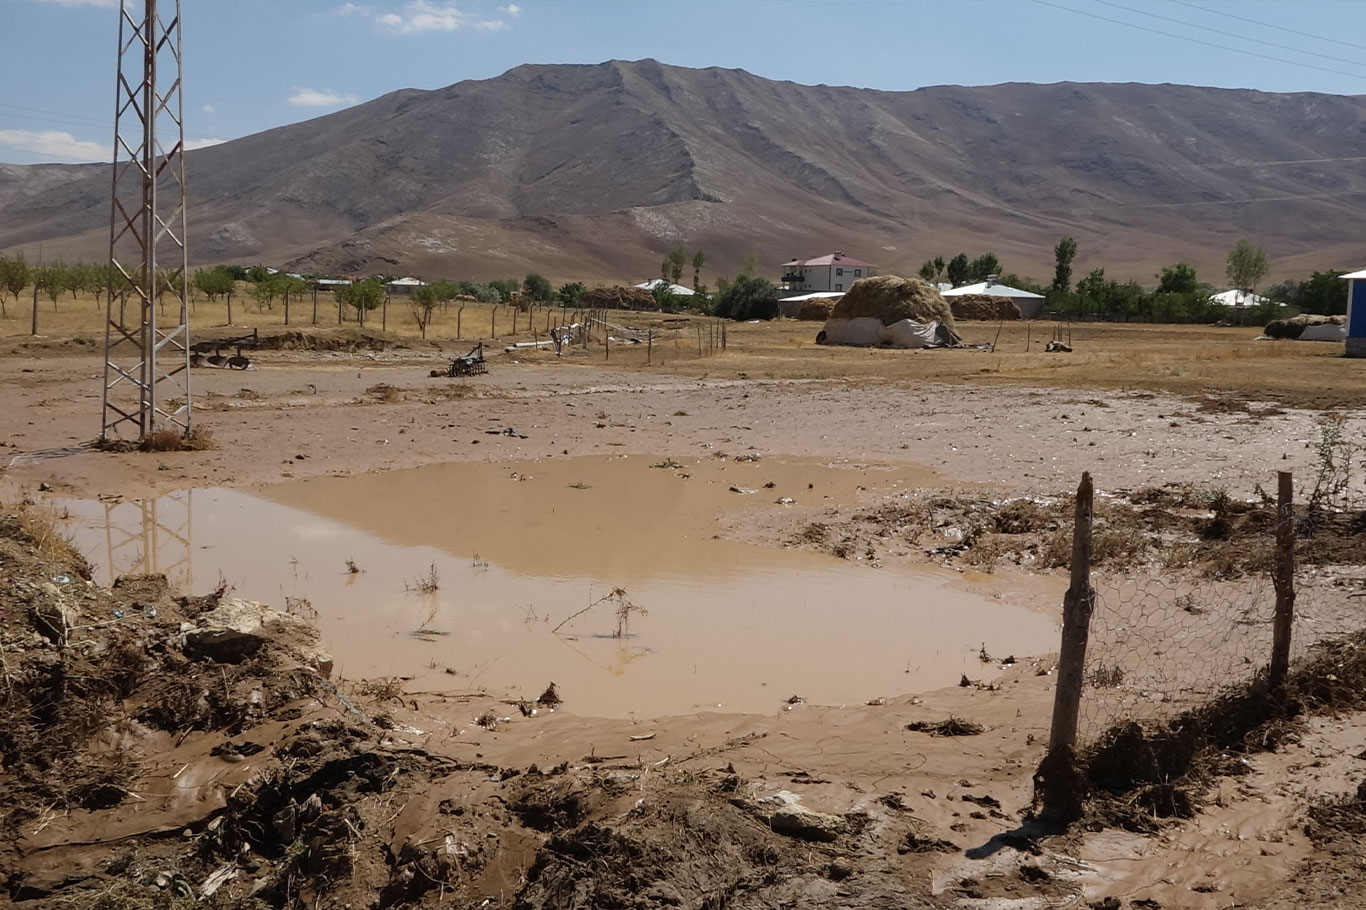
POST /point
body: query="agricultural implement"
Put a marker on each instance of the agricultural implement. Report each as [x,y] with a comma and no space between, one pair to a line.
[210,353]
[472,364]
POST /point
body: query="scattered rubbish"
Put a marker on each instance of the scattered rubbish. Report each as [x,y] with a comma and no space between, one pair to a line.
[62,579]
[550,698]
[876,702]
[1055,347]
[748,457]
[786,501]
[741,490]
[642,737]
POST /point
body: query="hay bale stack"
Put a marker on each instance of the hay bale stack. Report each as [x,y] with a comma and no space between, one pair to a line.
[1294,326]
[618,298]
[892,299]
[984,306]
[817,309]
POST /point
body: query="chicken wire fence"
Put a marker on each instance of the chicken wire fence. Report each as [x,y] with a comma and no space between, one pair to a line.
[1163,641]
[1161,644]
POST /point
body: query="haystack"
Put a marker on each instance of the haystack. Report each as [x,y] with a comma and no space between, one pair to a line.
[888,311]
[1294,327]
[618,298]
[984,306]
[892,299]
[816,309]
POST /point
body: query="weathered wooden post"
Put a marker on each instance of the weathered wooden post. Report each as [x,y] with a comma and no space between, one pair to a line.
[1058,779]
[493,322]
[1283,577]
[460,312]
[649,346]
[384,315]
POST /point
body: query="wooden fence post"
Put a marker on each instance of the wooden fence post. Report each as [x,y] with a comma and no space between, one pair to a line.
[1061,784]
[1283,577]
[649,346]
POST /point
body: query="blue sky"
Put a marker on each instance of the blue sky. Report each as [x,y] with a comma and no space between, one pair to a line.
[255,64]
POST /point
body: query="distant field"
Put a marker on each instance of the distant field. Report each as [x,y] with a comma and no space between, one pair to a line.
[1189,360]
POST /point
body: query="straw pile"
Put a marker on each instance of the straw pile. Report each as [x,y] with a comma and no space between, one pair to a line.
[618,298]
[1294,326]
[817,309]
[984,306]
[892,299]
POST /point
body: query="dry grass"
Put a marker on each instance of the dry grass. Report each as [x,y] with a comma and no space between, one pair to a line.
[50,545]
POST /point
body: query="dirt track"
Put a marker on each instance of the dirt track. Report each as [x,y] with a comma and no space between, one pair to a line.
[423,802]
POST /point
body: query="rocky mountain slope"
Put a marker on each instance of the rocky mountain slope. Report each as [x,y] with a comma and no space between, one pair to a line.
[593,172]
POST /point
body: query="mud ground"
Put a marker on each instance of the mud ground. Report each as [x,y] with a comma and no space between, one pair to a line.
[146,773]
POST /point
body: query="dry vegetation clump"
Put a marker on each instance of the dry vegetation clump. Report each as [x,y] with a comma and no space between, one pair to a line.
[385,393]
[950,726]
[1203,532]
[198,439]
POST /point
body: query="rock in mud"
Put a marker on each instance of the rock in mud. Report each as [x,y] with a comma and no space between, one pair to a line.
[238,629]
[785,815]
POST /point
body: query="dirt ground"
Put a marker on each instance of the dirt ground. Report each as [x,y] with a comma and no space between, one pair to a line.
[149,771]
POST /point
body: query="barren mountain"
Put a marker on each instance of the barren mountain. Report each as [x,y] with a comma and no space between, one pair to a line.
[593,172]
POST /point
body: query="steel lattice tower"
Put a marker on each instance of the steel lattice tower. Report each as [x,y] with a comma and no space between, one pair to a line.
[147,362]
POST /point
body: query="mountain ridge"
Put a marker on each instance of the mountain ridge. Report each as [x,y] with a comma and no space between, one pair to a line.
[593,171]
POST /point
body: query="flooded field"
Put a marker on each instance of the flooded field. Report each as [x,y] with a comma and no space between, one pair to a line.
[604,575]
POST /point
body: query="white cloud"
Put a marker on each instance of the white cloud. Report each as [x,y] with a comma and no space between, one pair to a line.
[420,16]
[308,97]
[511,9]
[353,9]
[55,144]
[192,144]
[208,108]
[104,4]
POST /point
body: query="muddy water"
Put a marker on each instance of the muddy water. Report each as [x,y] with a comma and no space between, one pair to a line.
[525,559]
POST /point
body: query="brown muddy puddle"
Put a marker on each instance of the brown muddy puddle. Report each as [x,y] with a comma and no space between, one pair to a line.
[517,550]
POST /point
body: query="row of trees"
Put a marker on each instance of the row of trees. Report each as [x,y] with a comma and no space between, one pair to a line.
[960,270]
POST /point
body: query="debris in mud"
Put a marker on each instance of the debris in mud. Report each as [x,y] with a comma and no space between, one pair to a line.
[951,726]
[784,814]
[550,698]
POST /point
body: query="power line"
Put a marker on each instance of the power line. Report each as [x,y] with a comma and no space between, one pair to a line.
[70,119]
[1221,47]
[1217,31]
[1218,12]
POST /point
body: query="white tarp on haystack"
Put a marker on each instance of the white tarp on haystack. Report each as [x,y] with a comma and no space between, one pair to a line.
[1325,332]
[868,332]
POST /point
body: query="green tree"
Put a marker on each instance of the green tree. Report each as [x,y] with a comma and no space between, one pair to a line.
[264,292]
[751,267]
[1178,279]
[927,271]
[699,259]
[678,261]
[15,275]
[569,294]
[75,278]
[424,301]
[214,282]
[1063,254]
[505,287]
[957,270]
[749,297]
[363,296]
[983,267]
[1247,266]
[537,287]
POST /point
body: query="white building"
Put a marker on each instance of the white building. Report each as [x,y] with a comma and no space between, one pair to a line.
[677,290]
[835,272]
[1236,298]
[1030,304]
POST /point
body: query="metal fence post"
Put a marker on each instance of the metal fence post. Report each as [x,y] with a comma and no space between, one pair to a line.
[1283,577]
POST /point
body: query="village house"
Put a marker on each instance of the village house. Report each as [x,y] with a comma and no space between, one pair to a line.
[835,272]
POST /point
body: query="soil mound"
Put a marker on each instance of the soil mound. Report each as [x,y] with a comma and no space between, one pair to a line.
[891,299]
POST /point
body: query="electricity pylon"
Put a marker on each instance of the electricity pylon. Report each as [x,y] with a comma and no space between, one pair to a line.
[146,353]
